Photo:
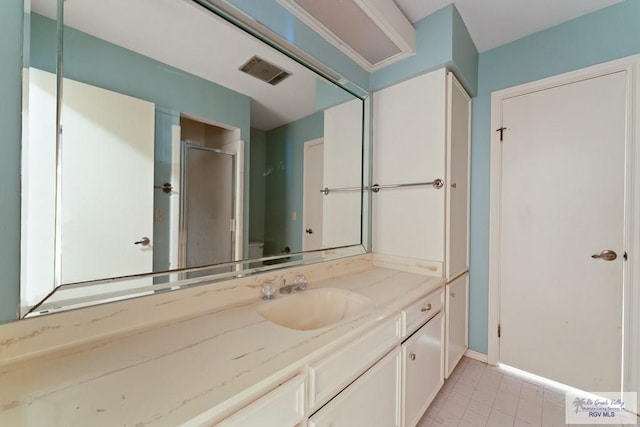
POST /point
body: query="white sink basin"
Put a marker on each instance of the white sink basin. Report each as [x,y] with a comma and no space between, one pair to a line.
[314,309]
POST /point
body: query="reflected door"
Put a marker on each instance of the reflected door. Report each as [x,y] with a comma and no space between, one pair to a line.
[107,184]
[207,217]
[312,201]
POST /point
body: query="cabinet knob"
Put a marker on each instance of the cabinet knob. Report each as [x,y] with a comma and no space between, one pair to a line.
[453,294]
[427,308]
[453,185]
[412,356]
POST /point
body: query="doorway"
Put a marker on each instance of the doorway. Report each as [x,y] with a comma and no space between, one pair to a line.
[209,169]
[208,201]
[559,283]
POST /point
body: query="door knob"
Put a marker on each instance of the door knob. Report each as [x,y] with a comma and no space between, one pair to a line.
[309,231]
[143,241]
[606,255]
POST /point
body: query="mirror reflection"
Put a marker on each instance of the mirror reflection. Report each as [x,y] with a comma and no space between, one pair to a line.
[185,142]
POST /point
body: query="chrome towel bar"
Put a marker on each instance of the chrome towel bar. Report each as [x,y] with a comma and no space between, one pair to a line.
[326,190]
[437,184]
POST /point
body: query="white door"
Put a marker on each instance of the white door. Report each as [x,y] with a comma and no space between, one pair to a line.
[208,199]
[562,202]
[107,183]
[312,198]
[342,169]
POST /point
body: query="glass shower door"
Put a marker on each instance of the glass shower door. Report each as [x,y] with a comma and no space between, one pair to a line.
[207,206]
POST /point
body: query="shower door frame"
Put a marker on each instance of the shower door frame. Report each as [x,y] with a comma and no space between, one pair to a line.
[182,239]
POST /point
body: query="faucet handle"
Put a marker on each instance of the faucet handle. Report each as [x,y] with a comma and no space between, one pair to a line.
[300,281]
[268,290]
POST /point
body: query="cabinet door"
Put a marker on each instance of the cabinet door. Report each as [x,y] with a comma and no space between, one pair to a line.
[456,324]
[457,181]
[423,369]
[282,407]
[409,121]
[373,400]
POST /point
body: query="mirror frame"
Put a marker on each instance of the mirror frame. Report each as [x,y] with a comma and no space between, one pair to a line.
[207,273]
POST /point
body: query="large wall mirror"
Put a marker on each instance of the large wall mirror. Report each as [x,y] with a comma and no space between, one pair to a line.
[187,148]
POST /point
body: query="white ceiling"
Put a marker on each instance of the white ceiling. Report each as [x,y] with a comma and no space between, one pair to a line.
[183,35]
[493,23]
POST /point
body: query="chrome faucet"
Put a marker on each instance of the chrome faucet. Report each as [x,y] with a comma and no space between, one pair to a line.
[299,284]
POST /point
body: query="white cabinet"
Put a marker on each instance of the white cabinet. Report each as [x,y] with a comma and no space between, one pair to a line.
[423,369]
[416,314]
[456,324]
[421,133]
[374,380]
[282,407]
[331,374]
[373,400]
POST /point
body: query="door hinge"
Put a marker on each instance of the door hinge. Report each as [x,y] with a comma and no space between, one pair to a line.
[498,330]
[501,130]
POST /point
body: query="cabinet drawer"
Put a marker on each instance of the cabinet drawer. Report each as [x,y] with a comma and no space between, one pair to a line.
[328,376]
[282,407]
[424,309]
[373,400]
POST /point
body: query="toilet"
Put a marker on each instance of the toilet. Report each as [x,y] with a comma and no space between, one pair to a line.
[256,250]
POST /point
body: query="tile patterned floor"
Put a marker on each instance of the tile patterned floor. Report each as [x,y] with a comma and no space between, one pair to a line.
[479,395]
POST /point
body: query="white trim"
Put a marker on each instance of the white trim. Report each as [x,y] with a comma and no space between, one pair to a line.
[631,338]
[400,31]
[174,201]
[472,354]
[632,292]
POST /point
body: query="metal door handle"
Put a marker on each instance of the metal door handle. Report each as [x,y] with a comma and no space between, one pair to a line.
[606,255]
[143,241]
[309,231]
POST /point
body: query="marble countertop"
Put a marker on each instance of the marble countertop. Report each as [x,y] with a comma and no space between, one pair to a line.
[214,361]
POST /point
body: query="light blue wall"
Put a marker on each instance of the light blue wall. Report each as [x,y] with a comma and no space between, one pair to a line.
[283,186]
[285,24]
[604,35]
[329,95]
[465,55]
[442,40]
[257,184]
[99,63]
[11,33]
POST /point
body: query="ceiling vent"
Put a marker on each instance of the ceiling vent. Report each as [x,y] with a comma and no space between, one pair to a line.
[265,71]
[374,33]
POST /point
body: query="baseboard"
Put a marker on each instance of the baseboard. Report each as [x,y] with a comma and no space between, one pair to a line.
[472,354]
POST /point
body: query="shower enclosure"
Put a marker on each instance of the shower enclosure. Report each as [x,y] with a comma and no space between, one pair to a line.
[207,208]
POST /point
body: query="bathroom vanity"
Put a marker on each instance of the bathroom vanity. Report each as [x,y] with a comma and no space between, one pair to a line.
[370,341]
[225,363]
